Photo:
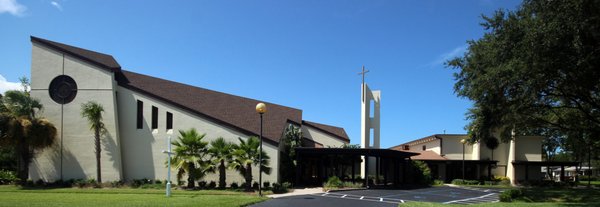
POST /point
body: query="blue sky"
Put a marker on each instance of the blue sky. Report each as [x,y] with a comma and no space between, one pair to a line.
[302,54]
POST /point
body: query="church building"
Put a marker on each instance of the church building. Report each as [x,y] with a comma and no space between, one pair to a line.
[139,113]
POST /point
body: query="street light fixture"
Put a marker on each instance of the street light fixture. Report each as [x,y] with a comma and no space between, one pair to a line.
[261,108]
[168,188]
[463,141]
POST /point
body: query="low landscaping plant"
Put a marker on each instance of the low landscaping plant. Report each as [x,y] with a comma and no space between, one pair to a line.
[510,194]
[438,182]
[281,188]
[234,185]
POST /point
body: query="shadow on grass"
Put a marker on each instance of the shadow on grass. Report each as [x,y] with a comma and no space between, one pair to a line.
[568,196]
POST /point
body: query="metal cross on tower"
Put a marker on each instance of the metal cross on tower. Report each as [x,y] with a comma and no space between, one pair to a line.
[363,80]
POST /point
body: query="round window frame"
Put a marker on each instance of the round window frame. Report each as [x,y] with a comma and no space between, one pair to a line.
[62,89]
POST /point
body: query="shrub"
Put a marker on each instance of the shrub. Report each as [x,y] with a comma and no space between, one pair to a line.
[438,182]
[234,185]
[136,183]
[509,195]
[490,183]
[7,177]
[158,182]
[202,184]
[212,185]
[422,172]
[471,182]
[266,185]
[80,183]
[504,182]
[352,185]
[40,182]
[333,182]
[116,184]
[505,198]
[458,182]
[281,188]
[255,185]
[500,178]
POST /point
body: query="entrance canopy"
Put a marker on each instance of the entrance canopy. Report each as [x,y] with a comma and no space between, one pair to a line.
[316,165]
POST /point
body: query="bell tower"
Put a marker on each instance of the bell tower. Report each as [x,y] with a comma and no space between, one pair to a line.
[369,119]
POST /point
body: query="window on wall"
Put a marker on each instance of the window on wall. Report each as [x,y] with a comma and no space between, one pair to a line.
[154,117]
[424,147]
[140,114]
[169,120]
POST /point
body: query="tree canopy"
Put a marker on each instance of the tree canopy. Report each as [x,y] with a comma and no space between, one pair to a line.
[535,67]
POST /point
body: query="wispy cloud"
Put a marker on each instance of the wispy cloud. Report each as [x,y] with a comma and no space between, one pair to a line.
[7,85]
[449,55]
[57,5]
[12,7]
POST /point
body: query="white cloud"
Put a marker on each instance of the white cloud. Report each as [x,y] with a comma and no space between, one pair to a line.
[57,5]
[7,85]
[449,55]
[13,7]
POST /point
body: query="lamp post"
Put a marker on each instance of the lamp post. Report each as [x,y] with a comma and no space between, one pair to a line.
[261,108]
[168,188]
[463,141]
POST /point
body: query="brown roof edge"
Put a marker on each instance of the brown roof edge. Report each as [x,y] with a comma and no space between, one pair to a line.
[102,60]
[416,140]
[337,132]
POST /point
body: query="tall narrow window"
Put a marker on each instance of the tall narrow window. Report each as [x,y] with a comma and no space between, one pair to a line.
[169,120]
[154,117]
[140,114]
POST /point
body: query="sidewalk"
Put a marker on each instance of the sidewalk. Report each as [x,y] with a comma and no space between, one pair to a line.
[300,191]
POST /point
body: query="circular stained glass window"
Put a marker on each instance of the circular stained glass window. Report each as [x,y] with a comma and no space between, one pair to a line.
[63,89]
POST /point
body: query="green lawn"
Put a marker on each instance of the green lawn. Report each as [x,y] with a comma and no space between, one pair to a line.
[15,196]
[544,197]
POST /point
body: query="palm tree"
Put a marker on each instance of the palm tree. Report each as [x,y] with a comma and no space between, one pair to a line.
[220,152]
[23,131]
[93,112]
[245,155]
[190,152]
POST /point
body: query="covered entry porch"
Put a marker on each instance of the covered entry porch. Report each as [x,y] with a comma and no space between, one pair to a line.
[383,167]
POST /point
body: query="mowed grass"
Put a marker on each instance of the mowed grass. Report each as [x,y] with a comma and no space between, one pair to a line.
[16,196]
[543,197]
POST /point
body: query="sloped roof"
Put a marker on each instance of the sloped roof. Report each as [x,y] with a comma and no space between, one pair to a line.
[336,132]
[236,111]
[423,155]
[233,111]
[100,59]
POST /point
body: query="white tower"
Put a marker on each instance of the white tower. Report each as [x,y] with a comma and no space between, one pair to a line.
[369,120]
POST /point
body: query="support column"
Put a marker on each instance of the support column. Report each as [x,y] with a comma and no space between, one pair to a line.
[298,168]
[366,171]
[377,169]
[510,169]
[562,173]
[526,172]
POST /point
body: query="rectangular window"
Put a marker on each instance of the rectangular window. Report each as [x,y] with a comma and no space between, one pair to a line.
[154,117]
[169,120]
[140,114]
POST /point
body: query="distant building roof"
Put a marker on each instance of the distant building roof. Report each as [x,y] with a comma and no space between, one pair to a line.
[336,132]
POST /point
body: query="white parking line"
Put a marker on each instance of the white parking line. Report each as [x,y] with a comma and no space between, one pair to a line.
[470,200]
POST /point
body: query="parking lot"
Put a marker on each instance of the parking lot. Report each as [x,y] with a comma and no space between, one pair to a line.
[378,197]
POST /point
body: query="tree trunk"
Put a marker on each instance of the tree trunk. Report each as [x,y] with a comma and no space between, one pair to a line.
[248,177]
[24,157]
[191,178]
[222,175]
[98,151]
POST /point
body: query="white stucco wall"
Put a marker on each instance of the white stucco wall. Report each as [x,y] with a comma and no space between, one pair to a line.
[142,149]
[429,146]
[528,148]
[75,142]
[453,148]
[321,137]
